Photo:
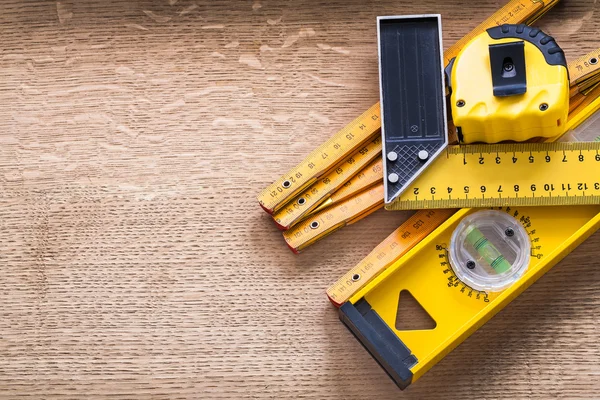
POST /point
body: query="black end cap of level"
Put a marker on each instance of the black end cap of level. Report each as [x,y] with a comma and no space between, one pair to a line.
[379,340]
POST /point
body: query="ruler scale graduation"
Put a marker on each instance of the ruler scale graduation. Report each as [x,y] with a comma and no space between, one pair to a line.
[540,174]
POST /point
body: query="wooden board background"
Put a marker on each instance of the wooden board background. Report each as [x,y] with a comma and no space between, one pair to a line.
[134,260]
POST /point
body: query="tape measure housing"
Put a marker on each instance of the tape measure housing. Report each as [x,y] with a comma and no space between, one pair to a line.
[509,83]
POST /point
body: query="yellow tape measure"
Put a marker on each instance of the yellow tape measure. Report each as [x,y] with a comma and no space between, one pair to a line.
[324,223]
[522,174]
[309,199]
[346,141]
[411,232]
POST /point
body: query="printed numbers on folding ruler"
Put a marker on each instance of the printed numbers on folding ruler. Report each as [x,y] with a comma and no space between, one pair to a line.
[583,72]
[310,199]
[321,160]
[392,248]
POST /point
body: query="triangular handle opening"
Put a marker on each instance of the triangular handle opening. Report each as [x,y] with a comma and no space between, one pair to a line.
[411,316]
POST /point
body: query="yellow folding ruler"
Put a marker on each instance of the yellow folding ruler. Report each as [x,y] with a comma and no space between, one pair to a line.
[331,154]
[309,199]
[411,232]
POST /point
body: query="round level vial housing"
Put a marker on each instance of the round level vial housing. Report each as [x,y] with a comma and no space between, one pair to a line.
[489,250]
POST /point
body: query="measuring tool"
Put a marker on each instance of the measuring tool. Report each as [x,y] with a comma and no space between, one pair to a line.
[484,257]
[359,131]
[411,232]
[354,211]
[321,160]
[369,176]
[432,277]
[373,174]
[326,222]
[310,199]
[521,174]
[509,83]
[413,97]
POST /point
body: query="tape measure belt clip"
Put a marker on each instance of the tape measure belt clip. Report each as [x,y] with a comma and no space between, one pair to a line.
[509,72]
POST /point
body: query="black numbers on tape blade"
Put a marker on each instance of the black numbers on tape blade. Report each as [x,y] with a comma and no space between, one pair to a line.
[481,158]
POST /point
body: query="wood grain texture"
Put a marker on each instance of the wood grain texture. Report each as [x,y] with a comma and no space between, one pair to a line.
[134,260]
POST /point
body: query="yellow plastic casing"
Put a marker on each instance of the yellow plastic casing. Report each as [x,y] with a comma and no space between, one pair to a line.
[490,119]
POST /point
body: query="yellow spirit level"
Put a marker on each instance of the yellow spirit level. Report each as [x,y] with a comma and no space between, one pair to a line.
[427,273]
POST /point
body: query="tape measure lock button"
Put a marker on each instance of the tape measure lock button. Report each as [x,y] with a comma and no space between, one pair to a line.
[489,250]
